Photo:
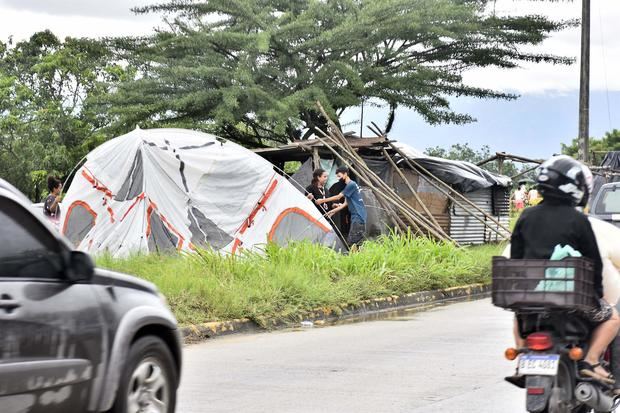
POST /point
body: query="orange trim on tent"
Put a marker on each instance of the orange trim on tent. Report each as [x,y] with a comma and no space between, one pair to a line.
[171,228]
[68,214]
[299,211]
[260,205]
[138,199]
[236,245]
[100,187]
[149,212]
[96,184]
[110,211]
[152,207]
[250,219]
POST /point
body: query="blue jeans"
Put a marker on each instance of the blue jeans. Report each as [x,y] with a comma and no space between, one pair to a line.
[356,233]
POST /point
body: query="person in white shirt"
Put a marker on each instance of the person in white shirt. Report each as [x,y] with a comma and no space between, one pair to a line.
[519,198]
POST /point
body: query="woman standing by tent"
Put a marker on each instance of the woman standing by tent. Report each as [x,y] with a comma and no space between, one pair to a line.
[51,208]
[316,190]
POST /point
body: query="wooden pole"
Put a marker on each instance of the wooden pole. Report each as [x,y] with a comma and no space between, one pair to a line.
[438,183]
[413,191]
[379,133]
[446,193]
[584,84]
[398,223]
[409,212]
[385,195]
[433,181]
[316,160]
[389,195]
[525,172]
[362,119]
[486,161]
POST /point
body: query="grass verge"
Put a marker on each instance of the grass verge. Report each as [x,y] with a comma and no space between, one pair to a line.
[301,277]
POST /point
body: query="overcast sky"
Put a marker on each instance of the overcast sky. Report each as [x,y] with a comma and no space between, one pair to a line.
[541,85]
[543,78]
[88,18]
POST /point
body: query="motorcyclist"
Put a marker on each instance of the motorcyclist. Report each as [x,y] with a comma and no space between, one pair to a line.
[564,185]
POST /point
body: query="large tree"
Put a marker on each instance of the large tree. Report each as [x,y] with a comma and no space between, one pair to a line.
[251,70]
[464,152]
[46,121]
[609,142]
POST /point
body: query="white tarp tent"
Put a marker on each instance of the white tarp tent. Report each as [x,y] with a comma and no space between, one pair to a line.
[175,189]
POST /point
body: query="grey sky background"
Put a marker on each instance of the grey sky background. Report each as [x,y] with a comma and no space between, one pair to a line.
[106,9]
[95,18]
[77,18]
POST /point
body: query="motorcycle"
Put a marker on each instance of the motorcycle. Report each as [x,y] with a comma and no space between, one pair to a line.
[547,298]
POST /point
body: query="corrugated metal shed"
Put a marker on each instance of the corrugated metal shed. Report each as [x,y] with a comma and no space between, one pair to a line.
[435,201]
[461,176]
[467,230]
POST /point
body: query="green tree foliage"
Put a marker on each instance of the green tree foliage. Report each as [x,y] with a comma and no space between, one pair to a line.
[461,152]
[251,70]
[464,152]
[46,121]
[609,142]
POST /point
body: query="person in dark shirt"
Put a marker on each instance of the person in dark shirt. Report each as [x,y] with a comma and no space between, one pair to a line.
[564,185]
[51,206]
[316,190]
[555,222]
[342,218]
[352,200]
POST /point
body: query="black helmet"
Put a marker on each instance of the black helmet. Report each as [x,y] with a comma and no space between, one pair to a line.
[564,178]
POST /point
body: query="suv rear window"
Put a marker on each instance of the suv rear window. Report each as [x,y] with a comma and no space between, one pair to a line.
[609,202]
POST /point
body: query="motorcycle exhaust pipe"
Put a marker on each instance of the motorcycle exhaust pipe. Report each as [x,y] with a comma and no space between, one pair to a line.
[592,396]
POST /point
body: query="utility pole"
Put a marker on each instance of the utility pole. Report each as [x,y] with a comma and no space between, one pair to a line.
[362,119]
[584,86]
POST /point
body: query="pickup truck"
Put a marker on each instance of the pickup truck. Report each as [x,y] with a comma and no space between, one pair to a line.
[606,205]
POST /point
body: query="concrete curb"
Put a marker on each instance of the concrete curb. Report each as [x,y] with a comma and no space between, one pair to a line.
[367,308]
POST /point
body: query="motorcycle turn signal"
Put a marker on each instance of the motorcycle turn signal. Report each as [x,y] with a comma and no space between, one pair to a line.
[511,353]
[575,353]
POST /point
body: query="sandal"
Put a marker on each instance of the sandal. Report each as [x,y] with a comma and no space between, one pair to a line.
[587,369]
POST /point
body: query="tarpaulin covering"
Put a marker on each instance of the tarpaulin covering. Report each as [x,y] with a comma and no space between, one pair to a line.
[380,166]
[464,176]
[303,177]
[174,189]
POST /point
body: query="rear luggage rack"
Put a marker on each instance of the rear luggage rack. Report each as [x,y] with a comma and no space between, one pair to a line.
[564,284]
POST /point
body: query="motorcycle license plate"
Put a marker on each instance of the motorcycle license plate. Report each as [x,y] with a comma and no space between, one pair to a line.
[539,364]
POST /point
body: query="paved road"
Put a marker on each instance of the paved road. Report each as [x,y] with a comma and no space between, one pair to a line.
[448,359]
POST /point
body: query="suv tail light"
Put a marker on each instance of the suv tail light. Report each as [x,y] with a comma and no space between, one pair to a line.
[539,341]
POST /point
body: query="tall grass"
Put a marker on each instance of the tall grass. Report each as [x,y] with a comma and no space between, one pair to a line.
[303,276]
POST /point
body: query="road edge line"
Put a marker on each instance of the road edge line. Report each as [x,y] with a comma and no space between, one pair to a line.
[195,333]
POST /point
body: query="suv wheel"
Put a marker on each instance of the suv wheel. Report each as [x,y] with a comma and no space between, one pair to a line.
[149,381]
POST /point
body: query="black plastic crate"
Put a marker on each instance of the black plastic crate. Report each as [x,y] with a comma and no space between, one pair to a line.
[567,283]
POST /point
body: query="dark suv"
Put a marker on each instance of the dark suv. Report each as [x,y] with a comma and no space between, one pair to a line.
[74,338]
[606,205]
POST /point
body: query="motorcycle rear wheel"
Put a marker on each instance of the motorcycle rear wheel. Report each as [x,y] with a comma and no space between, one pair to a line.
[562,392]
